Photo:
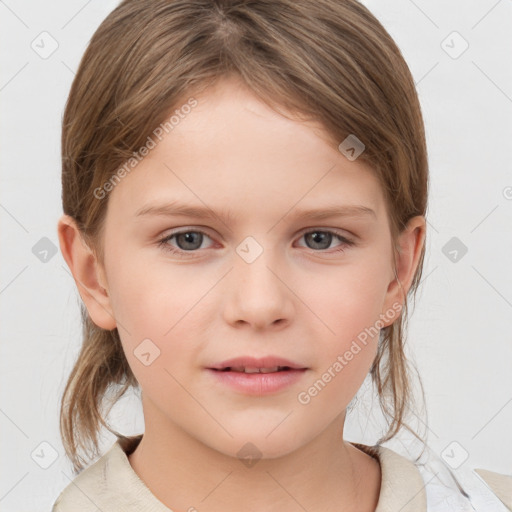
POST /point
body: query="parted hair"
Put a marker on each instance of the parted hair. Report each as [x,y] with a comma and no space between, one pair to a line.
[326,60]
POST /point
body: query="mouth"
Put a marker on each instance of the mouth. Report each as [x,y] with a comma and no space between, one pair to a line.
[258,376]
[265,364]
[249,369]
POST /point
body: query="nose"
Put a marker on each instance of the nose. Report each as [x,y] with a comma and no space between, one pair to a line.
[258,294]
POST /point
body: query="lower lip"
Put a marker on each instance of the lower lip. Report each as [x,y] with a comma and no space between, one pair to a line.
[258,383]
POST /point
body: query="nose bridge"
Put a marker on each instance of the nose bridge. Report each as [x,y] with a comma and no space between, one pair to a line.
[257,292]
[253,266]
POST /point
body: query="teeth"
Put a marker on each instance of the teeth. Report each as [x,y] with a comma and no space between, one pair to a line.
[252,369]
[269,370]
[249,369]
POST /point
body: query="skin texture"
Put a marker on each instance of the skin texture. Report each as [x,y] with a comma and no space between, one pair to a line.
[299,299]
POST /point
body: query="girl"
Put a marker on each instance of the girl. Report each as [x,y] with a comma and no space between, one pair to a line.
[244,192]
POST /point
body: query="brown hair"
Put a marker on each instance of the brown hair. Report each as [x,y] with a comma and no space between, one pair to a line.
[325,60]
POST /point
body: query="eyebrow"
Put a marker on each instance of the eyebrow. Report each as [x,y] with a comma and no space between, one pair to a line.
[176,208]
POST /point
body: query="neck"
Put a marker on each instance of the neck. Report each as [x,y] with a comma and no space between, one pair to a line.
[326,474]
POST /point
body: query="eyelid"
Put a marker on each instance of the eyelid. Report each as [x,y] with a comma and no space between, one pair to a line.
[196,229]
[336,231]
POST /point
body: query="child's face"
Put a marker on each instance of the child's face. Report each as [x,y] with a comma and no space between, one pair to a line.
[301,299]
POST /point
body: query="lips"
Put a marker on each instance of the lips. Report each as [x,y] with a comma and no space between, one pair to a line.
[267,364]
[257,377]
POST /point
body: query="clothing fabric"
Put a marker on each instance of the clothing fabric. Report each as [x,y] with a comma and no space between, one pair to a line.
[111,485]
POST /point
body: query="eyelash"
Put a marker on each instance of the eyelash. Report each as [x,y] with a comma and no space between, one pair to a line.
[181,253]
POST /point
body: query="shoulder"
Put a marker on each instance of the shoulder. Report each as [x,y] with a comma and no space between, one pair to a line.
[465,488]
[95,487]
[499,484]
[402,487]
[427,484]
[80,493]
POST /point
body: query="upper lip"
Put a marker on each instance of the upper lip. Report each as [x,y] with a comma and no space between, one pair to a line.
[257,362]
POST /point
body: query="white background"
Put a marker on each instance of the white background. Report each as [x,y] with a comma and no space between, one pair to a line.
[460,332]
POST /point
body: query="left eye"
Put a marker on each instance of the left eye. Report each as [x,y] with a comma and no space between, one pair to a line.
[190,241]
[324,239]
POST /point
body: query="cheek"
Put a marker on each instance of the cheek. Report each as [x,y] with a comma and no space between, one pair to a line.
[347,345]
[151,297]
[347,303]
[347,298]
[161,314]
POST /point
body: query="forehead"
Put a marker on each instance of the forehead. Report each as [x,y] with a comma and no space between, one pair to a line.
[232,148]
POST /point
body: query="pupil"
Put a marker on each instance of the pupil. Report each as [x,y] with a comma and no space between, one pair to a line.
[188,238]
[319,237]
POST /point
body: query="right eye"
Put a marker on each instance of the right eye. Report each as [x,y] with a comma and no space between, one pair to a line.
[189,240]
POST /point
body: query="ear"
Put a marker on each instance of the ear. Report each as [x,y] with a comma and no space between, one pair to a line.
[410,244]
[87,272]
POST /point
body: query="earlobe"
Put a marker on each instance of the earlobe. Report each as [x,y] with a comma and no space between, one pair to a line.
[87,273]
[410,246]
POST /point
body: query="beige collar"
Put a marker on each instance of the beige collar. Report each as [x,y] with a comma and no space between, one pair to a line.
[111,482]
[402,487]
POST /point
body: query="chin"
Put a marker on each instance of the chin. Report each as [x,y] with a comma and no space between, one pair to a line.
[254,444]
